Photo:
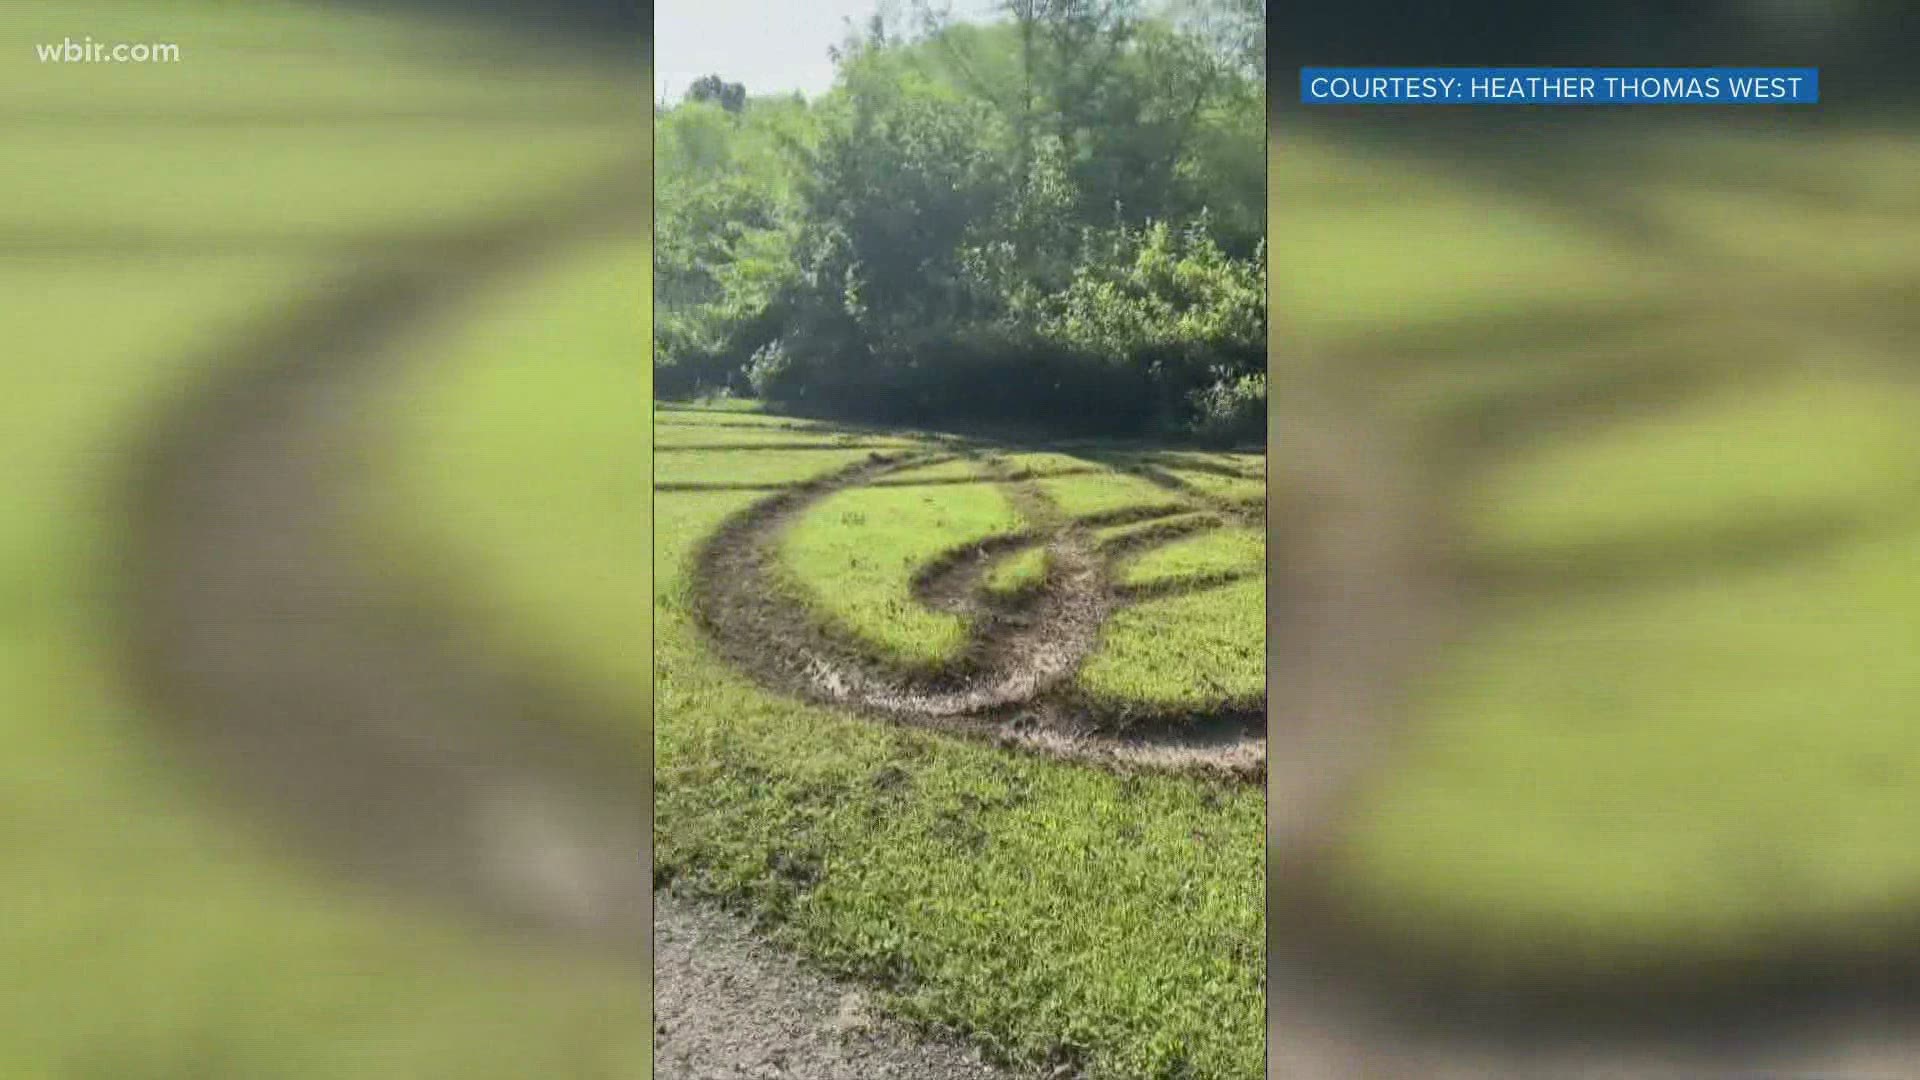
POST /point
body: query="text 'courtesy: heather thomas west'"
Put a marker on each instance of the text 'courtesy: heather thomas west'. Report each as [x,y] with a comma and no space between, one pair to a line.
[1559,86]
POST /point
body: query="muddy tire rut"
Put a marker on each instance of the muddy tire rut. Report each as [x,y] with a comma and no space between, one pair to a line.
[1012,682]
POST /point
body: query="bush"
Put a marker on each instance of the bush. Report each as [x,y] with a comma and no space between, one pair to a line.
[975,378]
[1232,411]
[1157,289]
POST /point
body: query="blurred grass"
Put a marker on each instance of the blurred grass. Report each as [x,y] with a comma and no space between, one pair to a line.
[1660,378]
[1025,902]
[478,497]
[149,213]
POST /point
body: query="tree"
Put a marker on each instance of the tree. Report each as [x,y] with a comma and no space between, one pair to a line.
[1053,217]
[729,96]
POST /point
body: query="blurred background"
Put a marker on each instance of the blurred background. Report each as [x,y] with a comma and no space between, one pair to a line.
[1624,403]
[302,776]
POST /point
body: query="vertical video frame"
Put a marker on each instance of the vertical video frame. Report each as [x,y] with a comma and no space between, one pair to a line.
[959,511]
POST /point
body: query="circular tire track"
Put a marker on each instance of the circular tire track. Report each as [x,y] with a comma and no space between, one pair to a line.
[1358,599]
[1013,681]
[388,745]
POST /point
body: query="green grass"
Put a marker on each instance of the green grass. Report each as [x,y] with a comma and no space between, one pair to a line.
[964,468]
[798,441]
[1045,463]
[1082,496]
[1676,722]
[477,464]
[773,468]
[155,930]
[1045,910]
[1020,573]
[1346,209]
[1183,653]
[1249,493]
[1216,552]
[1116,534]
[1253,465]
[853,555]
[1812,452]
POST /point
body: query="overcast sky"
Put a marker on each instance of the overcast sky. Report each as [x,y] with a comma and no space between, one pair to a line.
[771,47]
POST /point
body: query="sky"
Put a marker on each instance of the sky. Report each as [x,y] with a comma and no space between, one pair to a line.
[771,47]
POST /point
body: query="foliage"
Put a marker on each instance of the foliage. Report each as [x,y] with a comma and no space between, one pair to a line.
[729,96]
[1174,305]
[1051,219]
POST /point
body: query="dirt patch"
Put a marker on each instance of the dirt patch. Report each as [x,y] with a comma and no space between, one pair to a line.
[730,1007]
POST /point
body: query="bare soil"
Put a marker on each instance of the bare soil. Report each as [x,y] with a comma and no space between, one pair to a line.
[729,1007]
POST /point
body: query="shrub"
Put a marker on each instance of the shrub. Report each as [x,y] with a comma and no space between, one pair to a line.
[1232,411]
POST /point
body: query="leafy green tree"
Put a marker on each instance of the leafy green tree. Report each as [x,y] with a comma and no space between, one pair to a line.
[1053,216]
[729,96]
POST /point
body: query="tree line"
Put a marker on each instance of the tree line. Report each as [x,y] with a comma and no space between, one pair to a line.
[1053,218]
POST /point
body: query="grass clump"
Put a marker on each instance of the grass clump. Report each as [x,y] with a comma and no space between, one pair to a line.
[1019,574]
[1183,653]
[1208,554]
[1105,492]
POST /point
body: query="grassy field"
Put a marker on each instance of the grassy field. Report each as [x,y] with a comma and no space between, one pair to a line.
[1030,903]
[151,929]
[1052,912]
[1670,421]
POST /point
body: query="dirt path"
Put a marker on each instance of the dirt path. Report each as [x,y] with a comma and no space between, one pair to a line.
[728,1007]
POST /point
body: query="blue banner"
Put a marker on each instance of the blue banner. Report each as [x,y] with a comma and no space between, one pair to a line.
[1558,86]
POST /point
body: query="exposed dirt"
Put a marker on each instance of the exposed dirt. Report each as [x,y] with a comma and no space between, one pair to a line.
[729,1007]
[1012,683]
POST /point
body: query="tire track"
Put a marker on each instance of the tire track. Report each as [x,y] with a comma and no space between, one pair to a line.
[382,742]
[1012,684]
[404,757]
[1359,599]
